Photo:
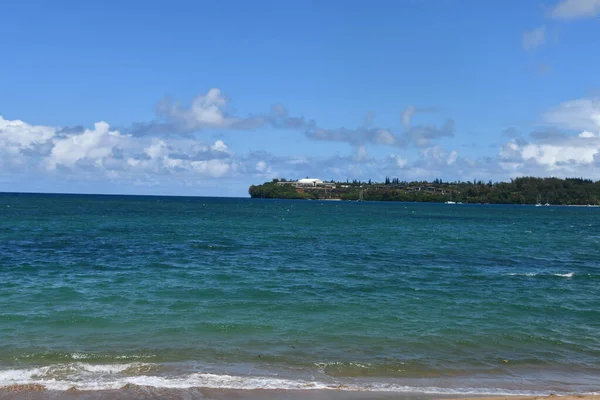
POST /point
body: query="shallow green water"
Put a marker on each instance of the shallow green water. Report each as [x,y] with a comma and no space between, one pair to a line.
[107,290]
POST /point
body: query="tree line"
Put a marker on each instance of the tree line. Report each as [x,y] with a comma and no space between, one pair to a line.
[524,190]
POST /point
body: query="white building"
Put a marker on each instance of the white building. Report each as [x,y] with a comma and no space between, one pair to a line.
[309,182]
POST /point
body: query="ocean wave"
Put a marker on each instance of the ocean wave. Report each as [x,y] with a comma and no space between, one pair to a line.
[521,274]
[71,370]
[63,357]
[567,275]
[530,274]
[88,377]
[355,369]
[323,365]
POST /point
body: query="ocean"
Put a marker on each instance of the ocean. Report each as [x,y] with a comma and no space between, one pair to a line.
[252,298]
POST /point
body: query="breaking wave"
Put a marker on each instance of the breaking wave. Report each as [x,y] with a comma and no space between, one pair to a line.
[89,377]
[567,275]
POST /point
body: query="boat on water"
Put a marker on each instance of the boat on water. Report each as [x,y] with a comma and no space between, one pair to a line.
[538,202]
[450,202]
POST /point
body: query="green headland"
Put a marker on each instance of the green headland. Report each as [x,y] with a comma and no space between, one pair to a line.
[524,190]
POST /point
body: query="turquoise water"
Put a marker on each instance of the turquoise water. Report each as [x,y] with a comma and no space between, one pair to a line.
[100,291]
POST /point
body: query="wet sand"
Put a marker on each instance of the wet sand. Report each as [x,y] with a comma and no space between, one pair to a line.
[554,397]
[32,392]
[36,392]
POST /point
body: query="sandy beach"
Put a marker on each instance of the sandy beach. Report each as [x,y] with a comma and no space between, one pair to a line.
[570,397]
[37,392]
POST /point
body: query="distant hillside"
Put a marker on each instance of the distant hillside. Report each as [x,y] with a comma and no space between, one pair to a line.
[526,190]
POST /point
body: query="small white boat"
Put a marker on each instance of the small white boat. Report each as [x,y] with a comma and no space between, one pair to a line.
[450,202]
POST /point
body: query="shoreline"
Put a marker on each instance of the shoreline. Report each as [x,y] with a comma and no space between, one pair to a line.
[38,392]
[92,379]
[550,396]
[433,202]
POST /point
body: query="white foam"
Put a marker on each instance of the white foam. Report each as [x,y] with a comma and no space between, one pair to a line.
[80,356]
[7,377]
[72,370]
[107,369]
[216,381]
[321,366]
[134,356]
[111,377]
[568,275]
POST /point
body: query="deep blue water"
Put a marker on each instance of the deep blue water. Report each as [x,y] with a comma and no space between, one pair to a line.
[100,291]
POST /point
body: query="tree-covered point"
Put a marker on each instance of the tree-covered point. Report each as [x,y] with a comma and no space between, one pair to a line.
[271,190]
[525,190]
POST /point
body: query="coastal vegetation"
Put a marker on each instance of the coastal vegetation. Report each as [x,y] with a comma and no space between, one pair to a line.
[271,190]
[524,190]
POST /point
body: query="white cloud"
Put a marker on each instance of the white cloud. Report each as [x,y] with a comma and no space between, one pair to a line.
[554,152]
[534,38]
[262,166]
[20,143]
[452,157]
[205,111]
[158,148]
[91,145]
[210,111]
[399,161]
[567,156]
[384,137]
[356,137]
[554,155]
[424,135]
[574,9]
[419,135]
[439,155]
[213,168]
[581,115]
[219,146]
[105,153]
[18,135]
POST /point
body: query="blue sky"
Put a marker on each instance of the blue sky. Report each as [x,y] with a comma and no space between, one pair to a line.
[206,98]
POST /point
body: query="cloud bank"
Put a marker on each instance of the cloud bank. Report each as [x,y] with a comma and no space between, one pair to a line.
[106,152]
[569,145]
[210,111]
[420,135]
